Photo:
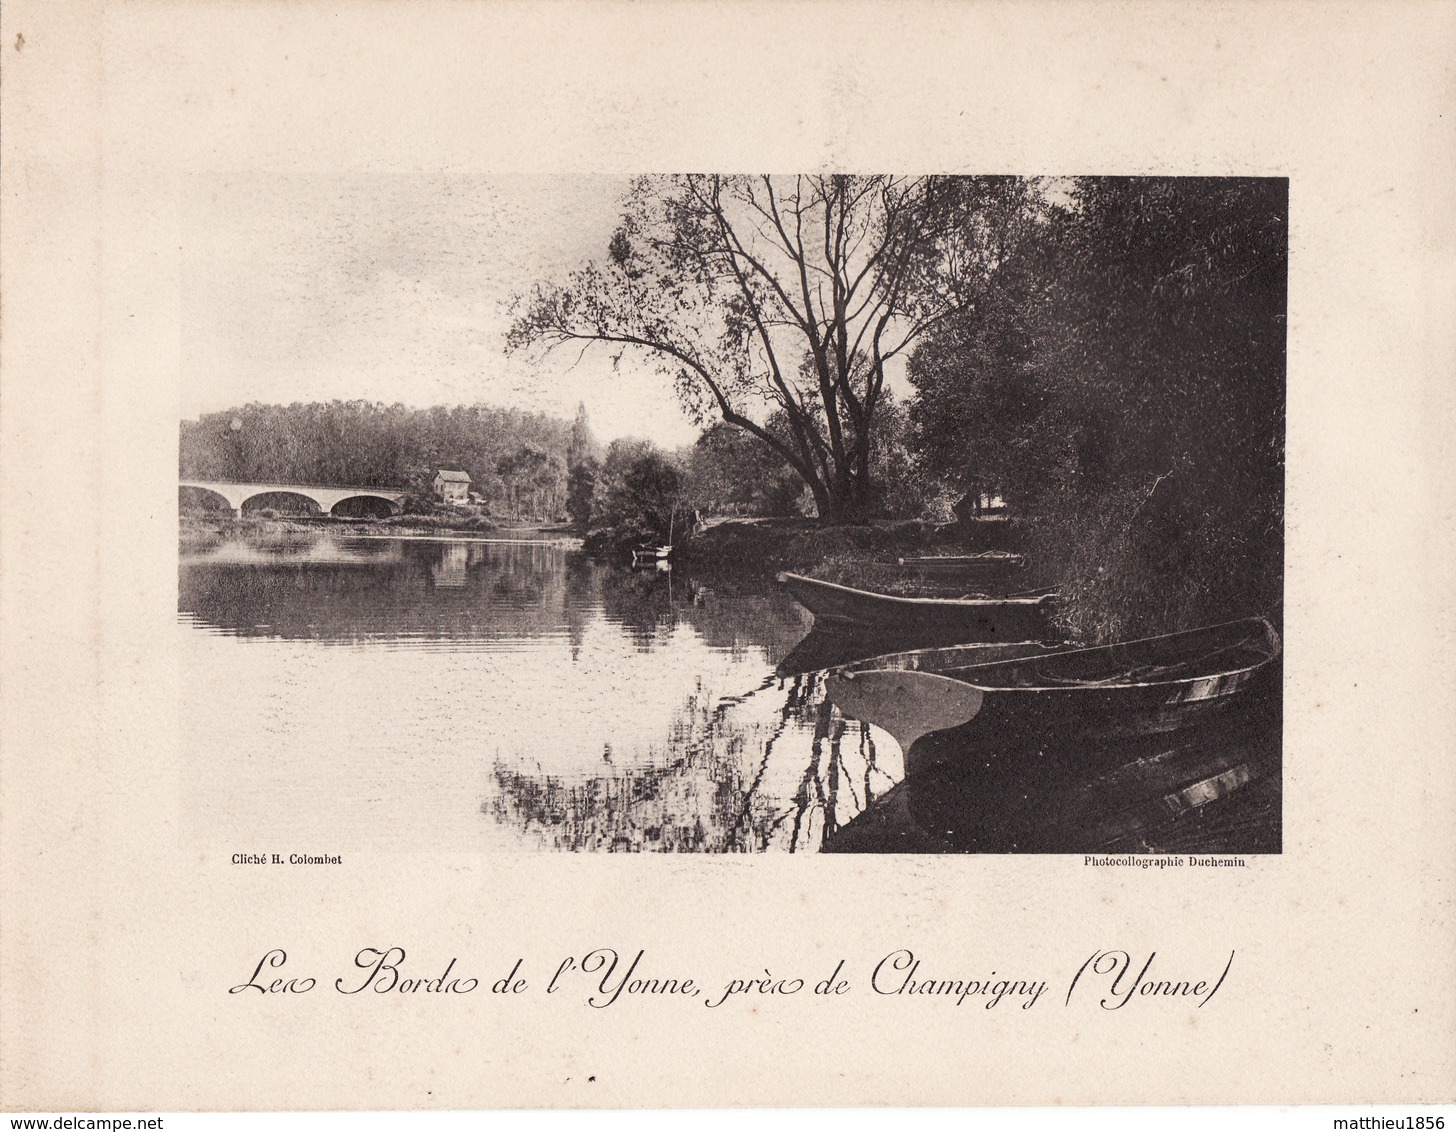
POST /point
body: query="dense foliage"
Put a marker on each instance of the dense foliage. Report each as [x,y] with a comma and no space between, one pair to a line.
[731,473]
[1123,383]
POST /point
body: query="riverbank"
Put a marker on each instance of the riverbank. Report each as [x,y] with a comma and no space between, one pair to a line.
[863,555]
[196,532]
[730,550]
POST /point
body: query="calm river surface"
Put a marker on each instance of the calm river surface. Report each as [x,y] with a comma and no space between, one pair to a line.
[421,694]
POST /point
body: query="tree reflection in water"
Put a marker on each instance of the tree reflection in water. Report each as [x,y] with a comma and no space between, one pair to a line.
[712,794]
[615,709]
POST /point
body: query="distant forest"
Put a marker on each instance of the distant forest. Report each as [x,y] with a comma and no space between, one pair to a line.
[517,461]
[522,465]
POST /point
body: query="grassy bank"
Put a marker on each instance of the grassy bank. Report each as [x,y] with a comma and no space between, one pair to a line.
[862,555]
[1119,576]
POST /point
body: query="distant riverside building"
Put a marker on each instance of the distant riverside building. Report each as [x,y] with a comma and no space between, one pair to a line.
[452,487]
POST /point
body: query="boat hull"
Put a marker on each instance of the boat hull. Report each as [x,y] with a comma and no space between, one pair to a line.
[1198,789]
[1058,722]
[1057,700]
[943,619]
[824,649]
[988,568]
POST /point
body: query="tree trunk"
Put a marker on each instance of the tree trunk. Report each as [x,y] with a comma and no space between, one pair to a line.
[842,498]
[824,504]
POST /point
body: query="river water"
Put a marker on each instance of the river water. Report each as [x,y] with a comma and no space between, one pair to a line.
[435,695]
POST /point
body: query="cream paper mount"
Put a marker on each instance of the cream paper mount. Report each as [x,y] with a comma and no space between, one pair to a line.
[131,133]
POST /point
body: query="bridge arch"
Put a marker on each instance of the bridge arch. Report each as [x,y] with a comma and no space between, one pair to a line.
[321,500]
[387,505]
[314,506]
[195,493]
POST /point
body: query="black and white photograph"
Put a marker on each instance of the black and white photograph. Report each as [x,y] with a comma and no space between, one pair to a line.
[732,513]
[774,561]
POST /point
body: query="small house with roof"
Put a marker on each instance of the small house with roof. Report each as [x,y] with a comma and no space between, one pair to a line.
[452,487]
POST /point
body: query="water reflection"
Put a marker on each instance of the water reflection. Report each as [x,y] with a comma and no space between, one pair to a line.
[721,790]
[467,593]
[388,692]
[347,693]
[388,591]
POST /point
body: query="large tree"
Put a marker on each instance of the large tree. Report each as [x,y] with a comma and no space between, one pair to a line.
[784,297]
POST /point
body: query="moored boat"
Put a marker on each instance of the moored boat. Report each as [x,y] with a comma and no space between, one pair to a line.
[824,649]
[961,620]
[988,565]
[1004,557]
[650,555]
[1132,687]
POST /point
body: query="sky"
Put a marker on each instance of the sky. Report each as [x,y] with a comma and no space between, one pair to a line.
[396,288]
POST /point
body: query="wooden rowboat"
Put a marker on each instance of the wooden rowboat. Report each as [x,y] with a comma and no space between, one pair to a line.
[987,565]
[1063,696]
[984,557]
[962,620]
[824,649]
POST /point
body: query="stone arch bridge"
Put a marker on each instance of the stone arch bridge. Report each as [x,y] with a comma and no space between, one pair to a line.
[324,498]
